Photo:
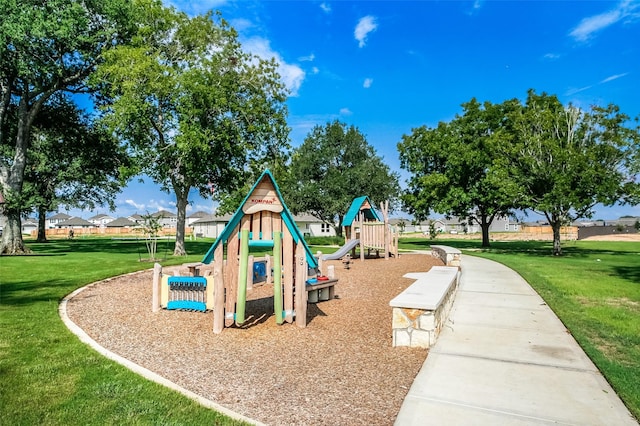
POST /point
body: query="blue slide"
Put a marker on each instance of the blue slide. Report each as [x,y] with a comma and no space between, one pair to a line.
[342,251]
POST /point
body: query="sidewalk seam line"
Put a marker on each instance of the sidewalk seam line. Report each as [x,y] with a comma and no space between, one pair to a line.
[510,361]
[492,410]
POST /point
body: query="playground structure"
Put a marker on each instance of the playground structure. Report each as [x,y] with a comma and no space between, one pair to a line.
[262,221]
[364,227]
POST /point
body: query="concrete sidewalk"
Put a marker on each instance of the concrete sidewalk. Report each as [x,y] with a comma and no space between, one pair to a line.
[506,359]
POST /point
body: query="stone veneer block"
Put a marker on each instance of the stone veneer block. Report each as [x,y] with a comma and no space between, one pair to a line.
[422,339]
[399,319]
[401,337]
[420,311]
[427,321]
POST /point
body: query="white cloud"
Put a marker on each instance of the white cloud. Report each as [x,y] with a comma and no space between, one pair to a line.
[315,70]
[573,91]
[475,7]
[364,27]
[326,7]
[292,75]
[208,208]
[345,111]
[308,58]
[552,56]
[193,8]
[592,24]
[241,24]
[613,77]
[134,204]
[367,83]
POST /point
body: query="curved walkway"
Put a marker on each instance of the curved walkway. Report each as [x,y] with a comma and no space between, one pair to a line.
[505,358]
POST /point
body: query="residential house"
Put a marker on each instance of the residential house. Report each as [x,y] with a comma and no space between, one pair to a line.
[423,226]
[311,226]
[54,220]
[29,225]
[625,221]
[504,224]
[75,223]
[210,226]
[137,218]
[457,225]
[166,218]
[195,216]
[101,220]
[121,222]
[403,225]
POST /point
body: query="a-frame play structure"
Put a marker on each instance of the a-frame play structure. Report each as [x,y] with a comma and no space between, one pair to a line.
[372,231]
[262,220]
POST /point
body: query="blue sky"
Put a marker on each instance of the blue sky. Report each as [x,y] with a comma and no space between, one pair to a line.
[390,66]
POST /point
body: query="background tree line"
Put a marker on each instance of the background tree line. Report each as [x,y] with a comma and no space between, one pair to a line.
[175,97]
[538,155]
[178,99]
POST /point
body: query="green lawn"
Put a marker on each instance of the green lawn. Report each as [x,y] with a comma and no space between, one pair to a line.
[46,375]
[594,288]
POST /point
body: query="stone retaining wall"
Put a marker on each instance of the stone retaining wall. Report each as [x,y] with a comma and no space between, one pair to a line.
[419,328]
[449,255]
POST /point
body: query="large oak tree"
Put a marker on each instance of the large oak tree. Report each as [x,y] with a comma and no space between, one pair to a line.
[453,169]
[334,165]
[46,47]
[565,160]
[195,108]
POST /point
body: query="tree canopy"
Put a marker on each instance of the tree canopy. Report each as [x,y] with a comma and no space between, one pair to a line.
[452,167]
[72,162]
[195,109]
[45,48]
[565,160]
[334,165]
[558,161]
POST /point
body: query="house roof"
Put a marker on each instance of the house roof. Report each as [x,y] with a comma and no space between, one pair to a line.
[398,220]
[212,218]
[306,217]
[357,205]
[74,221]
[121,222]
[198,214]
[163,213]
[30,223]
[100,216]
[60,216]
[287,219]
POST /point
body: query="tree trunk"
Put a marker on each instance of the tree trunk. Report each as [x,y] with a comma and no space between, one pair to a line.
[42,217]
[181,204]
[12,242]
[12,179]
[557,249]
[338,228]
[484,225]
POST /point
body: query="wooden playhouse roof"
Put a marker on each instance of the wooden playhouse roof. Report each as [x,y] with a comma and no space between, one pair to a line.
[270,199]
[363,204]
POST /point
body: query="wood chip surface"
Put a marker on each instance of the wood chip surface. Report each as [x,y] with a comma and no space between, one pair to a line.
[340,369]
